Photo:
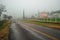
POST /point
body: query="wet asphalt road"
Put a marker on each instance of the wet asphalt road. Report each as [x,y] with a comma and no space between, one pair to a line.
[17,33]
[26,31]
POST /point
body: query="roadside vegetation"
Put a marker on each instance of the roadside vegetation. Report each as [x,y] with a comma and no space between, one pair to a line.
[4,27]
[5,22]
[42,23]
[4,30]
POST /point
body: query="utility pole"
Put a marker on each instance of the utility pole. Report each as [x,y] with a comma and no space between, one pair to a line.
[23,14]
[38,14]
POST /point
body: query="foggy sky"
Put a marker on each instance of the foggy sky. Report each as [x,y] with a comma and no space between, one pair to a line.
[31,7]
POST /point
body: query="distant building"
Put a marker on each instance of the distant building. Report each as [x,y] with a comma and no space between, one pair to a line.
[55,15]
[43,15]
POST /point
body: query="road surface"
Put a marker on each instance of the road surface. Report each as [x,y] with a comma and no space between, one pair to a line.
[27,31]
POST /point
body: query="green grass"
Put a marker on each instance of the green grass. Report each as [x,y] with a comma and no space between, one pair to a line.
[51,19]
[34,22]
[41,23]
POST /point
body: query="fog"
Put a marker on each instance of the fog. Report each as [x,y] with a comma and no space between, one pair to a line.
[30,7]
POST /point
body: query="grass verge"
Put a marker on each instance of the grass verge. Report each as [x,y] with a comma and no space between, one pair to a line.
[4,31]
[50,25]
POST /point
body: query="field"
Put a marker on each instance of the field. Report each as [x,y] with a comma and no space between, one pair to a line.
[4,30]
[42,23]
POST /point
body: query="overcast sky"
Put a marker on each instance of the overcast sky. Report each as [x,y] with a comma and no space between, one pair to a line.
[31,7]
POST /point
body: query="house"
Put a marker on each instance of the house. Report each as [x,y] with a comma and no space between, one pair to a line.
[43,15]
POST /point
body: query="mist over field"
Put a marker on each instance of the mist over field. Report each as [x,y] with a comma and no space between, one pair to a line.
[30,7]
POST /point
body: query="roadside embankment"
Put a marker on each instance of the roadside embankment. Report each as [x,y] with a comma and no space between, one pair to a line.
[4,31]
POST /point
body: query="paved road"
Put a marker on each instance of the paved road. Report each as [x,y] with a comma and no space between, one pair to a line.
[27,31]
[17,33]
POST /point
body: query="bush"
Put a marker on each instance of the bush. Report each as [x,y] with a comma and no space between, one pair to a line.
[2,22]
